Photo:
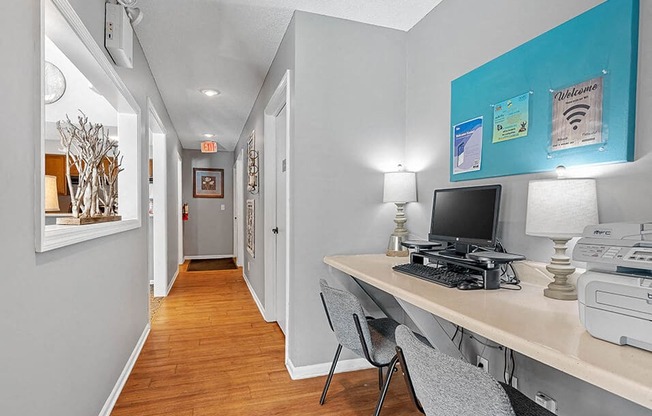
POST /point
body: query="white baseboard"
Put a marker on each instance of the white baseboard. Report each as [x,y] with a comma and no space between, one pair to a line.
[210,257]
[253,295]
[115,393]
[174,279]
[317,370]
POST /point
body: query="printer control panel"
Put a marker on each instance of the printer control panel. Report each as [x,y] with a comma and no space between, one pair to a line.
[613,254]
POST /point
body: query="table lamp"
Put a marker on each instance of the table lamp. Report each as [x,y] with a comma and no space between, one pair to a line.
[400,188]
[51,197]
[560,209]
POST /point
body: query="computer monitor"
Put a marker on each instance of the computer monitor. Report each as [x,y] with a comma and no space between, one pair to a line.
[465,216]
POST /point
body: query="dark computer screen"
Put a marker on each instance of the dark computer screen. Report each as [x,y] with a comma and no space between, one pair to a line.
[465,215]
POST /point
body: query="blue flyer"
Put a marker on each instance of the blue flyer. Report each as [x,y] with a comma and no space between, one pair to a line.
[467,146]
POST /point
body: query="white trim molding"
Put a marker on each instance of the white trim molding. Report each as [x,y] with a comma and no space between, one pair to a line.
[317,370]
[255,297]
[119,385]
[172,282]
[56,236]
[153,112]
[210,257]
[281,98]
[158,145]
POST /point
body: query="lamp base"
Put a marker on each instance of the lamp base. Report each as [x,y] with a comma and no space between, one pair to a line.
[561,269]
[395,248]
[559,293]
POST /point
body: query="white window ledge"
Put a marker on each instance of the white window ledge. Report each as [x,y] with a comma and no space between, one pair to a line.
[57,236]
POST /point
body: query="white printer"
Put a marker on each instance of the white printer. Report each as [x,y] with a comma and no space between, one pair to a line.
[615,293]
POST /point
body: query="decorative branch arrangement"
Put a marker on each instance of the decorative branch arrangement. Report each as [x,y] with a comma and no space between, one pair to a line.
[97,159]
[252,165]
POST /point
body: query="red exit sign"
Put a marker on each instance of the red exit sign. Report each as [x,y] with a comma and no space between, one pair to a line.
[208,147]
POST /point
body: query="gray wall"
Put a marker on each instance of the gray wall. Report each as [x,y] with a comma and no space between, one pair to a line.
[254,268]
[349,129]
[69,318]
[435,58]
[209,229]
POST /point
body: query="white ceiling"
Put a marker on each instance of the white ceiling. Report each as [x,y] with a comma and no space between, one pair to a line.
[229,45]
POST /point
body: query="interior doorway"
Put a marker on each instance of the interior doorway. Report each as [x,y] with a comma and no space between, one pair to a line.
[158,201]
[277,208]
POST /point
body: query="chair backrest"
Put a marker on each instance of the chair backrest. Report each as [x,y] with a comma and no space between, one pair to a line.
[341,306]
[448,386]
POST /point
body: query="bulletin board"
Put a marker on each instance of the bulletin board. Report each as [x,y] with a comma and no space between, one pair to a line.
[601,44]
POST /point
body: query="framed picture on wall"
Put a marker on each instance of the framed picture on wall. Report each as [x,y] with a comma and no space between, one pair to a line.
[250,219]
[207,183]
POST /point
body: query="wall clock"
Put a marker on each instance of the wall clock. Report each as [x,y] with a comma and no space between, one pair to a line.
[55,83]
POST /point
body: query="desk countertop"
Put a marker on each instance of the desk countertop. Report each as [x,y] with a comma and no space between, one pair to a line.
[543,329]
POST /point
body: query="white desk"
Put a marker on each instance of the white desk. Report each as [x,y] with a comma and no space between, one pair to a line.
[543,329]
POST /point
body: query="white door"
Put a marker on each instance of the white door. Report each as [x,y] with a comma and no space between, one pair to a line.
[235,213]
[180,209]
[281,226]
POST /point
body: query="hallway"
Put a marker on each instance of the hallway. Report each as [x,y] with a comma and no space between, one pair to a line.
[211,353]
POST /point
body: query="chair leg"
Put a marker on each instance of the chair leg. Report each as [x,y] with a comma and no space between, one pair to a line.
[383,393]
[380,378]
[330,374]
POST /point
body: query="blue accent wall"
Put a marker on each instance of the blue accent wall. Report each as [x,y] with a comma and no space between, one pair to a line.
[603,39]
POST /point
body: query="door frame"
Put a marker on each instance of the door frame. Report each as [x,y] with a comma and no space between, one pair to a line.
[281,98]
[158,140]
[180,256]
[238,209]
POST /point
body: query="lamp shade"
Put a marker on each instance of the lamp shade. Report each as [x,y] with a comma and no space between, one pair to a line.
[400,187]
[561,207]
[51,198]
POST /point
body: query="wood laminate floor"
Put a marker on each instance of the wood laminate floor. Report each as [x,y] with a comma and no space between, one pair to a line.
[211,353]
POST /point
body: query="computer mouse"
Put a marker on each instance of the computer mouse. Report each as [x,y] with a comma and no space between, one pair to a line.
[470,285]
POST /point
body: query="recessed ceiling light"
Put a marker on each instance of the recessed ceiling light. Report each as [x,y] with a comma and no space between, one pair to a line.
[208,135]
[210,92]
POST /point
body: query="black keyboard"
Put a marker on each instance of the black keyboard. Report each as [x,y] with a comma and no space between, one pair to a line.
[439,275]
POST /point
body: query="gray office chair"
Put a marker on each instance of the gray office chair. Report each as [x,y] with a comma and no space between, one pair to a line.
[370,338]
[440,385]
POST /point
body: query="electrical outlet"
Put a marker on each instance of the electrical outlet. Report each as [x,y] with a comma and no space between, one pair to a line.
[514,380]
[546,402]
[482,363]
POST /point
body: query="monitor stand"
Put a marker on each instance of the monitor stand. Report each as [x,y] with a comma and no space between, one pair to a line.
[459,250]
[462,249]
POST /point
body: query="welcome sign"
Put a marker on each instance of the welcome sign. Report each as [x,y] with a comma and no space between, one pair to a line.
[577,115]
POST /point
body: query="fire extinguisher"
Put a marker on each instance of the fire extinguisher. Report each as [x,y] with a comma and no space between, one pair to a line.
[184,212]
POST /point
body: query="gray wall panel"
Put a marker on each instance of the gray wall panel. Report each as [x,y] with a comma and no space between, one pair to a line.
[349,129]
[209,229]
[69,318]
[254,267]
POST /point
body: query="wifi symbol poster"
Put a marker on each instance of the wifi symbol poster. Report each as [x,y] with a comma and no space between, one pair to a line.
[577,115]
